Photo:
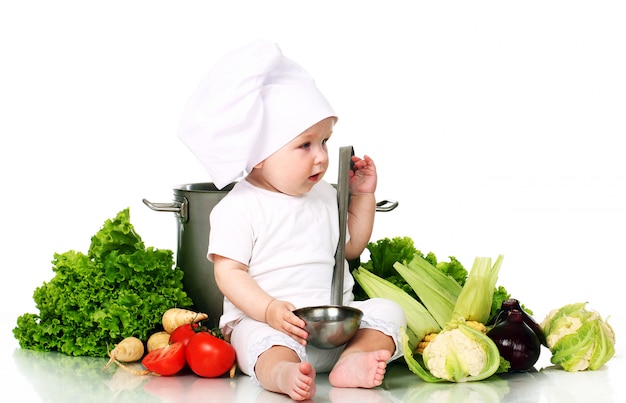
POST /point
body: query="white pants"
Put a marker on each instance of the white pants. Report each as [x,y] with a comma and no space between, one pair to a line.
[251,338]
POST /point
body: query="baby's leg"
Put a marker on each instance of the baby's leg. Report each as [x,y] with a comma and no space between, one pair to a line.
[280,370]
[364,361]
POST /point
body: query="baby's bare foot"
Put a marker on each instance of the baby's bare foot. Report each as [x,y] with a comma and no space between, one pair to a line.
[360,370]
[298,381]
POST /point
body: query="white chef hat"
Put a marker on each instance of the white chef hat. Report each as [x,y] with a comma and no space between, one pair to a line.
[249,105]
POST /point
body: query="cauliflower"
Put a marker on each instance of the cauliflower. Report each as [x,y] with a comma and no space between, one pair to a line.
[568,325]
[461,354]
[579,339]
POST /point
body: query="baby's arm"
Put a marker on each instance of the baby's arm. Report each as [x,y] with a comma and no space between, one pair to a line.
[235,283]
[362,206]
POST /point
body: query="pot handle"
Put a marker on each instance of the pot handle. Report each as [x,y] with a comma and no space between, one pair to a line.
[180,208]
[386,205]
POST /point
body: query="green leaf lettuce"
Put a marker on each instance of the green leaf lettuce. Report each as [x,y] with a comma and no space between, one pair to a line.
[119,289]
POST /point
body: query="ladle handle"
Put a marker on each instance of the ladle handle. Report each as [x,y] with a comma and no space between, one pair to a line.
[343,198]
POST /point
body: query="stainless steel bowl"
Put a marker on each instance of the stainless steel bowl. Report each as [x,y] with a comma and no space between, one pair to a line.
[330,326]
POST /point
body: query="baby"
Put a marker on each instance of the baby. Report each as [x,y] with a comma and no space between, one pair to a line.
[259,118]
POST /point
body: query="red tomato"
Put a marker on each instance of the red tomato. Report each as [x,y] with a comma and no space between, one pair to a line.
[209,356]
[167,360]
[183,333]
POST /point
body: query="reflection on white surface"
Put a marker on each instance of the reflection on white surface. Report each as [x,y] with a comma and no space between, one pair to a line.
[57,377]
[487,391]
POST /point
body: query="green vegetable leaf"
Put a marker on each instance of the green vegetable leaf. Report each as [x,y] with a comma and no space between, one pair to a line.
[419,320]
[474,301]
[385,252]
[572,349]
[414,365]
[119,289]
[500,294]
[437,291]
[454,269]
[493,355]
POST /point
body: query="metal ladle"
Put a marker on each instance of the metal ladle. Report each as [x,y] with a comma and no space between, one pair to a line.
[343,199]
[333,325]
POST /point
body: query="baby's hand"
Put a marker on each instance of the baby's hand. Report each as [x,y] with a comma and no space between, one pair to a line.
[363,178]
[280,316]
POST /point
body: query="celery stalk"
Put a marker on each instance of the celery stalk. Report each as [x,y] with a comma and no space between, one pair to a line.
[419,321]
[437,291]
[474,301]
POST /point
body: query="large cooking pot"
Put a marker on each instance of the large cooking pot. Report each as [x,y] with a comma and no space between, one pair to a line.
[192,205]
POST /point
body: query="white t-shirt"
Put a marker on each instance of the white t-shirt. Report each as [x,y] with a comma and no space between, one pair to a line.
[287,242]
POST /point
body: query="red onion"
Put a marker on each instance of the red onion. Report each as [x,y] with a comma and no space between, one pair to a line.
[517,343]
[511,304]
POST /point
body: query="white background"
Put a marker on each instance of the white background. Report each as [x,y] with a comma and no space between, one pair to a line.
[500,127]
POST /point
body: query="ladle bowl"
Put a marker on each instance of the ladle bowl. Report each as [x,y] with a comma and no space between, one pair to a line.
[330,326]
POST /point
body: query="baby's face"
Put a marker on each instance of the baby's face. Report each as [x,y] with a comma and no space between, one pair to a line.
[296,167]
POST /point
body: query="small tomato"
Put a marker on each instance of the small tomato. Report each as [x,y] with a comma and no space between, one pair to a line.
[167,360]
[209,356]
[184,333]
